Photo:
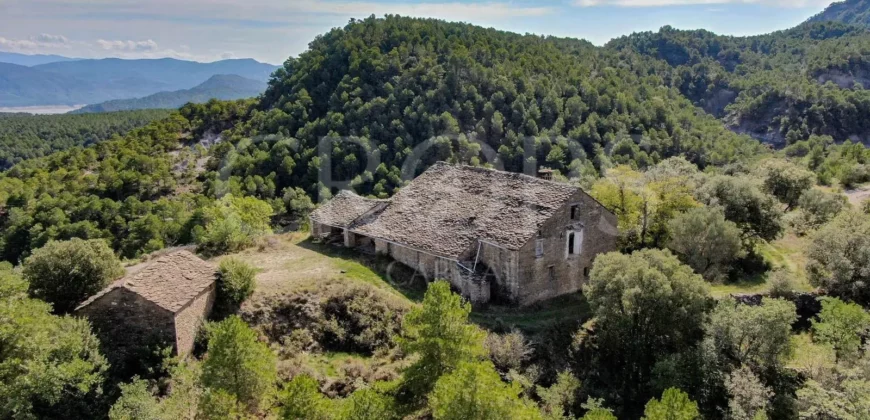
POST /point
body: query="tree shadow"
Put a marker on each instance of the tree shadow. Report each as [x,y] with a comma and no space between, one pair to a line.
[405,280]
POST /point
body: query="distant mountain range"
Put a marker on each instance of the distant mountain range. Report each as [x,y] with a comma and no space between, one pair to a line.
[72,82]
[31,60]
[222,86]
[856,12]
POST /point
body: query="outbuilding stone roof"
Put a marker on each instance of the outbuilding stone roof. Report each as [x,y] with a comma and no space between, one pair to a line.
[171,281]
[344,208]
[448,208]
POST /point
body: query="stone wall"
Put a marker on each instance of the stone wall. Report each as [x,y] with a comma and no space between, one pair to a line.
[129,327]
[557,272]
[190,318]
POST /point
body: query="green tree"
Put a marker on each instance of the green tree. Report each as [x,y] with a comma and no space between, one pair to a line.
[49,365]
[816,208]
[785,180]
[301,399]
[759,336]
[65,273]
[368,404]
[838,258]
[474,390]
[556,401]
[749,397]
[233,223]
[647,306]
[674,405]
[756,213]
[704,240]
[439,333]
[842,326]
[236,282]
[239,364]
[599,414]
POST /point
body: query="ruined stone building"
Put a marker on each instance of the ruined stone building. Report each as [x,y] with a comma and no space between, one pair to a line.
[494,235]
[162,303]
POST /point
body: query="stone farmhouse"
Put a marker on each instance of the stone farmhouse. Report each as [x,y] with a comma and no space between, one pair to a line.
[163,302]
[493,235]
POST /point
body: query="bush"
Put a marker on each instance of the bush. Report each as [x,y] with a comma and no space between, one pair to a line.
[337,317]
[817,208]
[65,273]
[232,224]
[507,351]
[782,284]
[236,282]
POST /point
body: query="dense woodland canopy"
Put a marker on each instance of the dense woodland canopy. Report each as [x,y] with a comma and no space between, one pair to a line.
[697,203]
[24,136]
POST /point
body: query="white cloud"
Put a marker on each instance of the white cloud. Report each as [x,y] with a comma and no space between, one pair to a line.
[128,46]
[659,3]
[34,43]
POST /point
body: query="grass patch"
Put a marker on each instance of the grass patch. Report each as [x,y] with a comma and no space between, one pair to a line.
[786,253]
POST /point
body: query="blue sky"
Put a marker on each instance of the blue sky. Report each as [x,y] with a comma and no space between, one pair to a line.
[272,30]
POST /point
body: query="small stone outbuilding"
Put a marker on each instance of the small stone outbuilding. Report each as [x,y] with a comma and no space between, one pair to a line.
[161,303]
[494,235]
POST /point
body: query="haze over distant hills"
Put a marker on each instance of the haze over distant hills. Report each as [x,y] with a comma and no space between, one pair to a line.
[222,86]
[31,60]
[90,81]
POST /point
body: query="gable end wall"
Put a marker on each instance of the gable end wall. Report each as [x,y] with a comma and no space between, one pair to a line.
[534,280]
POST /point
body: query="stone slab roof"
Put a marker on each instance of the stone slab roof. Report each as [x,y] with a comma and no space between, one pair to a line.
[448,208]
[171,281]
[343,209]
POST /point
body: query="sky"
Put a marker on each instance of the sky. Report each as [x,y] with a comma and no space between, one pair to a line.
[272,30]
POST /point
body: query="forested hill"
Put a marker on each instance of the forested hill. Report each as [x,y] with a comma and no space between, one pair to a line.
[25,136]
[221,86]
[397,82]
[780,87]
[850,11]
[583,108]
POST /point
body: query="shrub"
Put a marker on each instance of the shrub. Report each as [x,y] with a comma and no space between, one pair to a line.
[236,282]
[507,351]
[65,273]
[782,284]
[817,208]
[337,317]
[232,224]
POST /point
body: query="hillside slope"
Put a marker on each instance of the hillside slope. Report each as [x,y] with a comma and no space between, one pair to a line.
[774,87]
[223,86]
[855,12]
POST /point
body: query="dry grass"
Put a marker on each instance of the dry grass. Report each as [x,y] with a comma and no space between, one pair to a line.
[292,263]
[788,252]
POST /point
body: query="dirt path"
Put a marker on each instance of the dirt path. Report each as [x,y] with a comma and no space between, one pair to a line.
[858,195]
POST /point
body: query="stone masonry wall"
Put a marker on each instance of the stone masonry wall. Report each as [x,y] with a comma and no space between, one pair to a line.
[189,319]
[556,272]
[128,326]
